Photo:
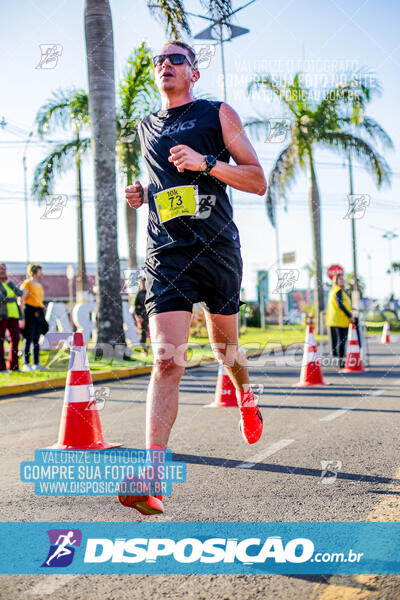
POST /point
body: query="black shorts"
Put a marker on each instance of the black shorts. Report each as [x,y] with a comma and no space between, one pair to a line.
[177,278]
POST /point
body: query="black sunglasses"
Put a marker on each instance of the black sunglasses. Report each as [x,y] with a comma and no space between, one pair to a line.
[174,58]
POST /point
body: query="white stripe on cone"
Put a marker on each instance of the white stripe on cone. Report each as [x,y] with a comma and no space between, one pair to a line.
[78,360]
[309,357]
[79,393]
[385,333]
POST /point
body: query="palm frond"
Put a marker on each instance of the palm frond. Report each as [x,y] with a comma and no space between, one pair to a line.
[63,106]
[59,160]
[53,113]
[356,93]
[372,129]
[218,9]
[362,151]
[256,127]
[138,97]
[172,14]
[280,89]
[79,107]
[137,90]
[281,178]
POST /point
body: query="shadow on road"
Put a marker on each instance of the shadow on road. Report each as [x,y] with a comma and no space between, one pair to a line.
[228,463]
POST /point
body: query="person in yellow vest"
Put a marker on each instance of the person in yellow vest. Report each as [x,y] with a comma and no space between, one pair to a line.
[32,298]
[338,317]
[10,319]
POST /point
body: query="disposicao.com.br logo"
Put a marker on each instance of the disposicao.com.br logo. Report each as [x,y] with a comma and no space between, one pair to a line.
[201,547]
[190,550]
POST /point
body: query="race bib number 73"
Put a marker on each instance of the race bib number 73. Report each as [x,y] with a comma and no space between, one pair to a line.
[175,202]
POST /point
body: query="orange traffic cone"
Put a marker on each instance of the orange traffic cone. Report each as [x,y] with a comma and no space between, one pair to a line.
[385,339]
[353,358]
[225,392]
[311,372]
[80,427]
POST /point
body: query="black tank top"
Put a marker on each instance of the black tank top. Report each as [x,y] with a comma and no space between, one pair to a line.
[198,126]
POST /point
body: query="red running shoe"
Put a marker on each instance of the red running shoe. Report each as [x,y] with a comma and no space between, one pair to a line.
[251,421]
[146,505]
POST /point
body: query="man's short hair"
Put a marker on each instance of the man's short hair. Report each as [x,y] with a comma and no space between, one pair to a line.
[191,52]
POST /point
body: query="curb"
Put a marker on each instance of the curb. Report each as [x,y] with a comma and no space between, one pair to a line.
[59,382]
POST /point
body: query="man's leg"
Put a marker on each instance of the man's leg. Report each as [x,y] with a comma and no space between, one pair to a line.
[342,340]
[168,331]
[3,327]
[35,338]
[13,328]
[223,334]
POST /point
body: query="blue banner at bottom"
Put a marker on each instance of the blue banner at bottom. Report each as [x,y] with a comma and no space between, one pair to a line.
[195,548]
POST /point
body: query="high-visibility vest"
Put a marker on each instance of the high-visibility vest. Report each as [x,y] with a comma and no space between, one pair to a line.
[335,317]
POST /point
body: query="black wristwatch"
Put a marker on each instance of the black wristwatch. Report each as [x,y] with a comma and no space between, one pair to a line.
[211,161]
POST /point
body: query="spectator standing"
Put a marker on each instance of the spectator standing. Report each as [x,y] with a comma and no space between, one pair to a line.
[35,322]
[10,319]
[338,317]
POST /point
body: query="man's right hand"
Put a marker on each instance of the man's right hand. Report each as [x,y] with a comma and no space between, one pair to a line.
[134,195]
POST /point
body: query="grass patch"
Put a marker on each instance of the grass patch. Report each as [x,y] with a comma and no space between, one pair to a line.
[200,348]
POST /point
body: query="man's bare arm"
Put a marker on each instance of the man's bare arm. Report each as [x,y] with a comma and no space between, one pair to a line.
[247,175]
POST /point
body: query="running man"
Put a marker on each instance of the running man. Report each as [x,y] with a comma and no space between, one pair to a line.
[193,247]
[62,549]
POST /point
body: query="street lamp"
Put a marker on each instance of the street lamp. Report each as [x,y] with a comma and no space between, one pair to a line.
[221,31]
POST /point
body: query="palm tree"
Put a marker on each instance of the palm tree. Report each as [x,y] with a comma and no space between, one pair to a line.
[138,96]
[100,59]
[326,124]
[67,109]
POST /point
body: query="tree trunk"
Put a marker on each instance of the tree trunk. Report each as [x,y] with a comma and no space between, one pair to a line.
[81,278]
[100,58]
[315,212]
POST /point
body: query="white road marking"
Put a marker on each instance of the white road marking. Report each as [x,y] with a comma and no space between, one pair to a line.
[264,454]
[335,414]
[341,411]
[49,585]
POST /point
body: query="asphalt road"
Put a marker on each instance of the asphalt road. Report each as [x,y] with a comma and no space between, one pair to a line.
[355,423]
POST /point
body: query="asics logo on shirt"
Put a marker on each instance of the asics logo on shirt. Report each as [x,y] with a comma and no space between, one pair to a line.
[176,127]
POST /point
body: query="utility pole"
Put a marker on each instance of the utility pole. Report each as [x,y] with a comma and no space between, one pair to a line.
[26,196]
[278,262]
[355,296]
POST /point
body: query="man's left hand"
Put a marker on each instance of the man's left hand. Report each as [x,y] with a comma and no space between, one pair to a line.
[184,157]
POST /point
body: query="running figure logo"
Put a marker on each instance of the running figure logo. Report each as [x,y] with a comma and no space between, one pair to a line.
[62,542]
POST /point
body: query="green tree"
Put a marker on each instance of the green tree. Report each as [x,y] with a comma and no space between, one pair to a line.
[138,97]
[66,109]
[337,122]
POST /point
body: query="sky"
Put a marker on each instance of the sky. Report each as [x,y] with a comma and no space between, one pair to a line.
[322,38]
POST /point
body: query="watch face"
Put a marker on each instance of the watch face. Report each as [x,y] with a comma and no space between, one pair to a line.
[211,161]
